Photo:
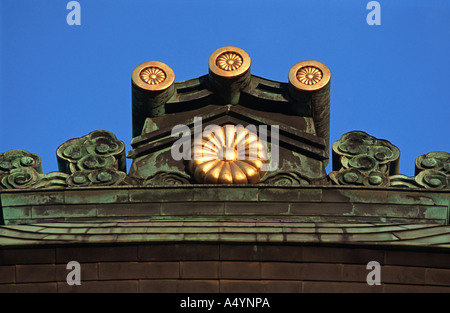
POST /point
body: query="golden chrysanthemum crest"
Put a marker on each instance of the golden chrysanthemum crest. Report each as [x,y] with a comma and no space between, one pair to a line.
[309,75]
[229,61]
[228,154]
[153,75]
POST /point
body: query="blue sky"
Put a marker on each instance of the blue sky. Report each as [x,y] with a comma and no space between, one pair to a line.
[60,82]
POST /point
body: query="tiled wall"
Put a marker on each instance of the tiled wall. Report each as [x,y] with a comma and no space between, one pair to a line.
[222,268]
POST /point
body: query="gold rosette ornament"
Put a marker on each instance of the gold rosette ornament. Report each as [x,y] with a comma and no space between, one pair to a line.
[227,154]
[309,76]
[152,75]
[229,61]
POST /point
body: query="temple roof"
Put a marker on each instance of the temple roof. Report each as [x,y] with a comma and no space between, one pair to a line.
[283,195]
[208,213]
[188,229]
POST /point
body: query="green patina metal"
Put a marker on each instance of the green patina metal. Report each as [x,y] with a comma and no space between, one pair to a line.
[92,199]
[267,213]
[98,158]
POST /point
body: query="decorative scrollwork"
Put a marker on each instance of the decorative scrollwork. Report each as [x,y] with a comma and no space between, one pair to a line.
[95,159]
[167,178]
[79,179]
[20,169]
[358,144]
[353,176]
[363,160]
[433,179]
[99,149]
[437,160]
[376,178]
[20,178]
[18,158]
[28,177]
[93,162]
[348,176]
[99,177]
[285,179]
[433,170]
[403,181]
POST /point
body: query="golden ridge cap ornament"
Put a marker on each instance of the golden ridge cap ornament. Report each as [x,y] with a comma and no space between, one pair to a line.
[153,76]
[309,75]
[227,154]
[229,62]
